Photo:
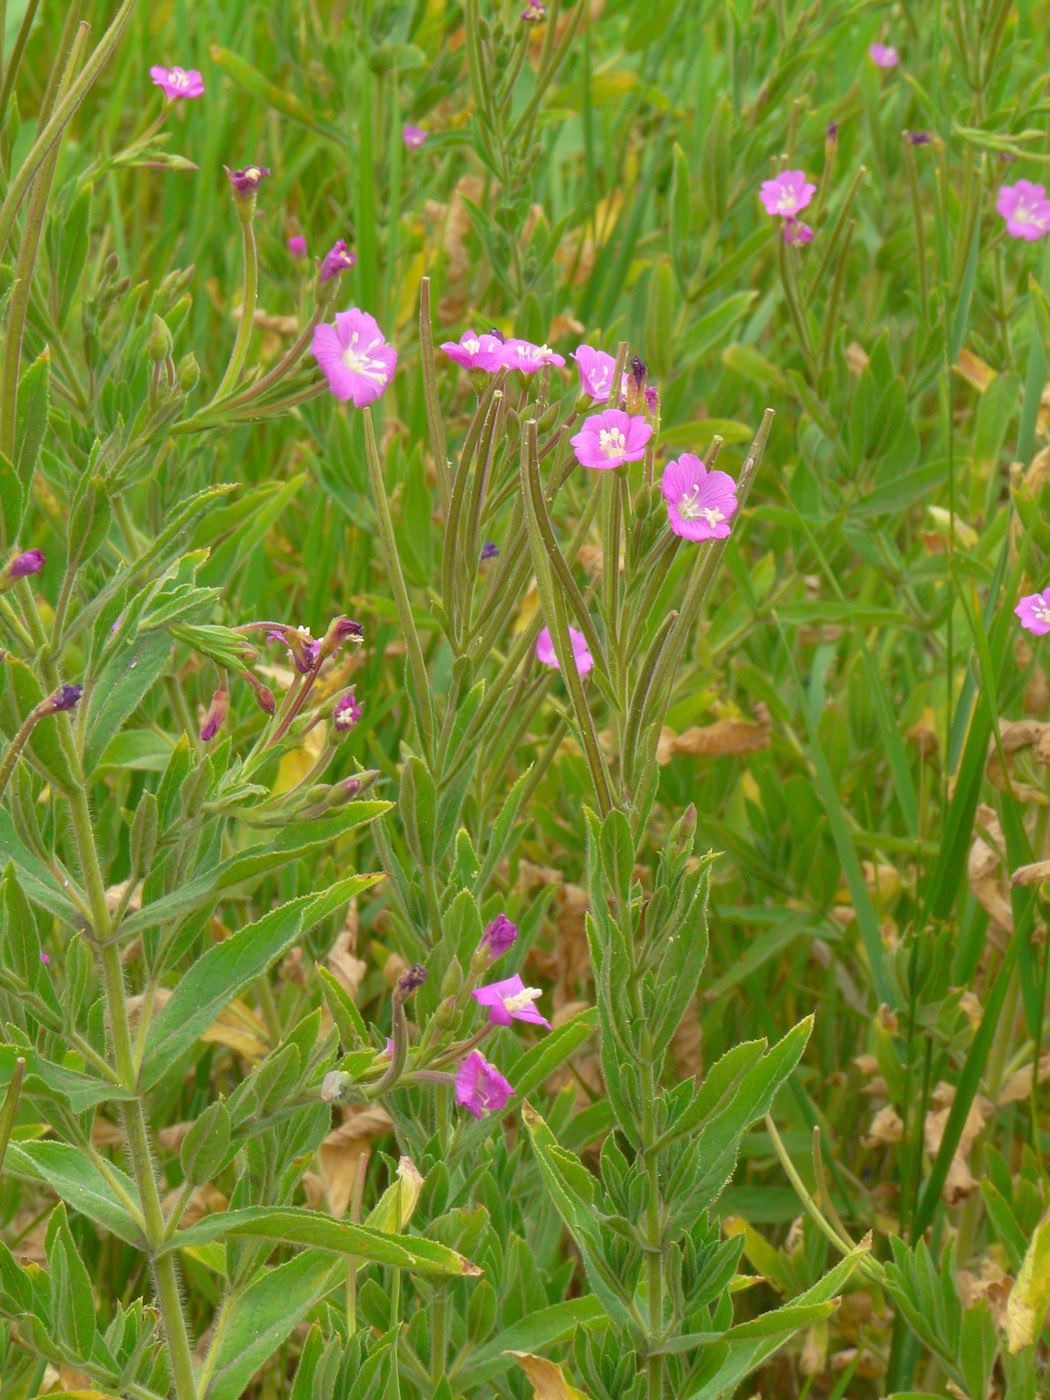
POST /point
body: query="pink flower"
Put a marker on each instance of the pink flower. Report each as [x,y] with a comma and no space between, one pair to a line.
[883,55]
[1034,612]
[356,360]
[44,958]
[480,1088]
[414,136]
[499,936]
[472,351]
[611,438]
[795,231]
[297,246]
[336,260]
[510,1000]
[177,82]
[523,355]
[1026,210]
[596,372]
[700,503]
[217,712]
[347,712]
[545,650]
[789,193]
[31,561]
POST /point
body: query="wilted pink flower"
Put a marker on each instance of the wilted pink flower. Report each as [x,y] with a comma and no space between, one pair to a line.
[347,712]
[499,936]
[489,550]
[414,136]
[177,82]
[297,246]
[64,698]
[217,712]
[700,503]
[883,55]
[30,561]
[1034,612]
[610,438]
[336,260]
[523,355]
[1026,210]
[356,360]
[596,372]
[795,231]
[480,1088]
[245,182]
[303,650]
[545,650]
[510,1000]
[472,351]
[788,194]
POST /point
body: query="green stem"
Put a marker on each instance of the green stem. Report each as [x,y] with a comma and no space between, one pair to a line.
[247,325]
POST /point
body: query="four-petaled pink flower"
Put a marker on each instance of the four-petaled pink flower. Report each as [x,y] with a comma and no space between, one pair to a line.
[414,136]
[510,1000]
[610,438]
[883,55]
[1034,612]
[788,194]
[472,351]
[297,246]
[177,82]
[545,650]
[336,260]
[523,355]
[356,360]
[596,372]
[700,503]
[1026,210]
[480,1088]
[795,231]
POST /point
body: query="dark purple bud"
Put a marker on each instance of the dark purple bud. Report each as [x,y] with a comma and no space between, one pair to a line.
[499,936]
[409,981]
[638,370]
[30,562]
[65,697]
[832,134]
[217,712]
[494,331]
[346,713]
[919,138]
[488,551]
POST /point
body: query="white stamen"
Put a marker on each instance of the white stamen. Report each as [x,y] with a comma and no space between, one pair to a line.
[521,999]
[612,442]
[689,508]
[360,362]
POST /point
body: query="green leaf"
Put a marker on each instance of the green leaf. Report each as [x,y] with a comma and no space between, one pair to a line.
[120,688]
[78,1181]
[37,881]
[12,500]
[34,393]
[72,1303]
[534,1332]
[317,1231]
[72,230]
[540,1061]
[55,1083]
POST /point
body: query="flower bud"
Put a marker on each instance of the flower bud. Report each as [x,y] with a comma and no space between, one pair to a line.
[217,712]
[189,371]
[158,347]
[452,982]
[244,186]
[30,561]
[64,698]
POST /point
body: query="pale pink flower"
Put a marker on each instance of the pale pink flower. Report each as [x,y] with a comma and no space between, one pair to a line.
[545,650]
[610,438]
[883,55]
[1034,612]
[788,194]
[414,136]
[596,372]
[177,82]
[795,231]
[700,503]
[523,355]
[1026,210]
[510,1000]
[480,1088]
[472,351]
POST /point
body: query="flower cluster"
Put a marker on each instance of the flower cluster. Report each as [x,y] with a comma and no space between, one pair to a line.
[490,352]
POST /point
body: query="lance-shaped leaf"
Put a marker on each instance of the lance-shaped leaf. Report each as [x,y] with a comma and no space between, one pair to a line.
[74,1177]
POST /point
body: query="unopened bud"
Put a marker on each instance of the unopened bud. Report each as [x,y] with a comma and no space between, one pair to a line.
[158,347]
[189,371]
[452,982]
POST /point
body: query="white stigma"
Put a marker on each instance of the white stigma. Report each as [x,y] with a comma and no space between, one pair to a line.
[177,77]
[1041,610]
[612,442]
[522,999]
[472,346]
[361,362]
[689,508]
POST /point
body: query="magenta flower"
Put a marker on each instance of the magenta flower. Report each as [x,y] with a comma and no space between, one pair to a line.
[30,561]
[472,351]
[480,1088]
[356,360]
[414,136]
[44,958]
[795,231]
[610,438]
[883,55]
[596,372]
[216,716]
[303,650]
[347,712]
[1034,612]
[336,260]
[545,650]
[1026,210]
[499,936]
[510,1000]
[534,12]
[788,194]
[297,246]
[523,355]
[245,182]
[177,82]
[700,503]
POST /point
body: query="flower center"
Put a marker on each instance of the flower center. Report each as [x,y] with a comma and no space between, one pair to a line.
[472,346]
[361,362]
[1023,214]
[177,77]
[520,1000]
[786,202]
[689,508]
[1041,610]
[612,442]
